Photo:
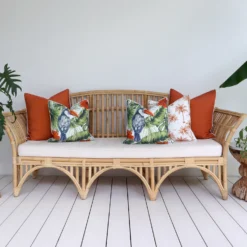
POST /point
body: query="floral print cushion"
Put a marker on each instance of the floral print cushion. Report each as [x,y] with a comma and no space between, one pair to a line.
[146,126]
[68,125]
[179,122]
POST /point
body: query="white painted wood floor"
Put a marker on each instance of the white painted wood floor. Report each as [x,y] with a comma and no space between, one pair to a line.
[117,213]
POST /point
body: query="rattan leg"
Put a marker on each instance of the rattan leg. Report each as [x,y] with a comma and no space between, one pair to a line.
[15,179]
[224,182]
[152,196]
[16,191]
[35,174]
[225,195]
[83,194]
[205,175]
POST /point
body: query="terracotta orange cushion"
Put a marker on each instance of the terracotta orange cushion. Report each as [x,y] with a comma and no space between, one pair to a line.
[39,127]
[201,110]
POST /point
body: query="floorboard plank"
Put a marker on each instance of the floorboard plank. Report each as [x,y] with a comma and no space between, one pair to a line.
[226,223]
[118,212]
[29,230]
[233,179]
[210,232]
[12,203]
[11,225]
[118,230]
[4,181]
[185,227]
[96,230]
[164,231]
[73,231]
[141,229]
[52,228]
[6,193]
[231,206]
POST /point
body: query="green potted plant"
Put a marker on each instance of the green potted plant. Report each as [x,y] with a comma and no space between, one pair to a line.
[238,76]
[9,87]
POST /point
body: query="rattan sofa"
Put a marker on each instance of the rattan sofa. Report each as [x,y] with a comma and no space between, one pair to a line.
[107,120]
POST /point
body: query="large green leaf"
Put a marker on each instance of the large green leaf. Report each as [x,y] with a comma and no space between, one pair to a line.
[159,116]
[55,110]
[82,120]
[77,136]
[8,86]
[155,137]
[8,81]
[238,76]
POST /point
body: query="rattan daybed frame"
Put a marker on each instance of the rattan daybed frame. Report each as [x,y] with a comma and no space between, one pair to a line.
[83,172]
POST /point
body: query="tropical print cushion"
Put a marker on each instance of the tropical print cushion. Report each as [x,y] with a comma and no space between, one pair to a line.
[146,126]
[68,125]
[179,121]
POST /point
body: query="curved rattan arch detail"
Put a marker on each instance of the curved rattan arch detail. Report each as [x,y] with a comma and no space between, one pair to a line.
[152,193]
[23,179]
[216,179]
[122,168]
[83,194]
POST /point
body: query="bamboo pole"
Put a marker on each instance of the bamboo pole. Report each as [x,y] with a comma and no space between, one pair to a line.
[117,116]
[83,178]
[98,119]
[214,171]
[72,170]
[219,172]
[95,169]
[89,173]
[140,171]
[103,115]
[77,173]
[152,178]
[21,172]
[107,115]
[158,173]
[147,174]
[112,116]
[123,116]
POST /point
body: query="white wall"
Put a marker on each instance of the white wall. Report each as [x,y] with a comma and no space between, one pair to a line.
[192,46]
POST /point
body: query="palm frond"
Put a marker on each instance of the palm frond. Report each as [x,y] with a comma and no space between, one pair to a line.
[8,86]
[155,137]
[238,76]
[8,81]
[83,119]
[159,116]
[79,136]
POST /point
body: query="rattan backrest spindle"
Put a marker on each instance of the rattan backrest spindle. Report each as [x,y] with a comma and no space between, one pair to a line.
[108,109]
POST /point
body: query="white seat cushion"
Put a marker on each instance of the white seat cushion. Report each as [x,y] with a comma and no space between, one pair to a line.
[114,148]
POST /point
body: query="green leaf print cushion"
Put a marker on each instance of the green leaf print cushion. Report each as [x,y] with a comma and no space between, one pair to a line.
[147,126]
[69,125]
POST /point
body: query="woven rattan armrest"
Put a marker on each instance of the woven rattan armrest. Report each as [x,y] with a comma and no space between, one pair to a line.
[225,124]
[17,131]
